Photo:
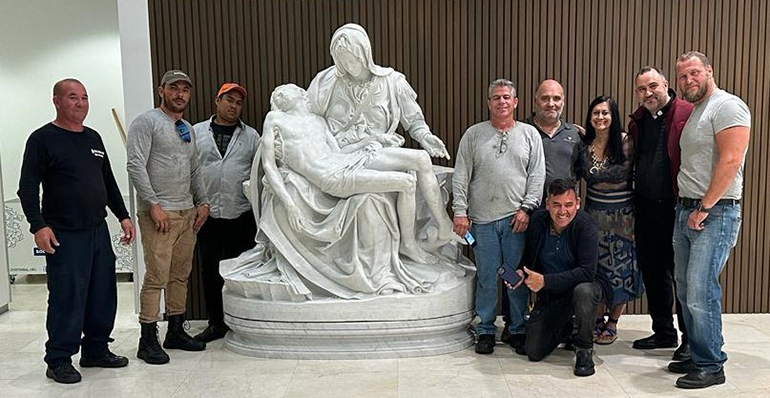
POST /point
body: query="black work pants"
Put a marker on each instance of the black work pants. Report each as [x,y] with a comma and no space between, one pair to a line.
[82,294]
[220,239]
[654,229]
[551,321]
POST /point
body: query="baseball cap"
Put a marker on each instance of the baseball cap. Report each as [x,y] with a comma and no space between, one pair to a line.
[227,87]
[175,75]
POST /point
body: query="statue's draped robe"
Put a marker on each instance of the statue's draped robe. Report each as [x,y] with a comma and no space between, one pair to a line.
[349,248]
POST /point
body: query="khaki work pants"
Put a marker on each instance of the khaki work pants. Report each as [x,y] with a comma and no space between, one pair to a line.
[168,260]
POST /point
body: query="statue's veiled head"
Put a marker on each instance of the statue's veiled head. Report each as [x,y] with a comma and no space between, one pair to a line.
[351,50]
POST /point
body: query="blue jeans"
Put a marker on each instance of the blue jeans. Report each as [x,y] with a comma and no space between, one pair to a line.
[700,257]
[496,242]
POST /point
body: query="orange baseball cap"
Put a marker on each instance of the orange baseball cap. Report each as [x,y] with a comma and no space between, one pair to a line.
[227,87]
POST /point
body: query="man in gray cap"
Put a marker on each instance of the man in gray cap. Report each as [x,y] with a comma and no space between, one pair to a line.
[163,166]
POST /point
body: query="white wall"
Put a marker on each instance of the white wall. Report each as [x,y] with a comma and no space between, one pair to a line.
[5,287]
[44,41]
[103,43]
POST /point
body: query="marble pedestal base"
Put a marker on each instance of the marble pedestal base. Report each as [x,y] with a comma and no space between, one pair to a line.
[396,326]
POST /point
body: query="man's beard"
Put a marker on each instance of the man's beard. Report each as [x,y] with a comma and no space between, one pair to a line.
[170,105]
[697,96]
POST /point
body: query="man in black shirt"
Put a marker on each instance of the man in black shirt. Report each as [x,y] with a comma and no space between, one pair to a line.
[656,127]
[71,162]
[559,264]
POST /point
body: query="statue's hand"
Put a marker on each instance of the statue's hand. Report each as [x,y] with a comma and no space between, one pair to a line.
[435,147]
[296,219]
[372,146]
[391,139]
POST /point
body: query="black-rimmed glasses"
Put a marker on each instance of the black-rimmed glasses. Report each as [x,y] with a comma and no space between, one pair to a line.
[183,130]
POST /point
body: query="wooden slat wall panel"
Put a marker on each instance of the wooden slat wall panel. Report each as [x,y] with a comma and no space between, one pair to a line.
[451,49]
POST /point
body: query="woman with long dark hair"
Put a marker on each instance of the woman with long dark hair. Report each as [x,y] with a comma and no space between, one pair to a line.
[607,163]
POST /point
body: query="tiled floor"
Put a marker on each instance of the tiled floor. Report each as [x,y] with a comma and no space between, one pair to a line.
[621,371]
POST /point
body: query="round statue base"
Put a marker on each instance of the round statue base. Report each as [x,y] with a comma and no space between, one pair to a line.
[397,326]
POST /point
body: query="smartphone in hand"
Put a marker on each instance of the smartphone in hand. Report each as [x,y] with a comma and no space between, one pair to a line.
[509,274]
[469,238]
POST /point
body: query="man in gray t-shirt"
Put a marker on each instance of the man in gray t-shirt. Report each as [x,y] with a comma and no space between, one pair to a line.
[497,183]
[708,216]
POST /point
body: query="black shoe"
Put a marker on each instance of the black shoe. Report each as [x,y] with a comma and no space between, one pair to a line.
[149,347]
[64,373]
[486,344]
[517,340]
[177,337]
[108,361]
[682,353]
[683,367]
[701,379]
[521,350]
[655,341]
[584,362]
[212,333]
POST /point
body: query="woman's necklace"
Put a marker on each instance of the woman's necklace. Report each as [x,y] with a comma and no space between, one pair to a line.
[596,164]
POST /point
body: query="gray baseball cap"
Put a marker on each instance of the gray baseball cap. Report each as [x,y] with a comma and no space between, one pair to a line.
[175,75]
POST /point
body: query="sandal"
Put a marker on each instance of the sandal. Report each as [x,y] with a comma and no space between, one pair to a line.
[609,334]
[599,328]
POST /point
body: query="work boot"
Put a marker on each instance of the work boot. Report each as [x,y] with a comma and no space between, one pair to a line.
[177,337]
[584,361]
[149,347]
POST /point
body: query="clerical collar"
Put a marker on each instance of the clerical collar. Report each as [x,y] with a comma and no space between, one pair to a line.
[662,111]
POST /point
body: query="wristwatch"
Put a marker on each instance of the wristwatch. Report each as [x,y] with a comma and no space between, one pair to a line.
[703,209]
[527,209]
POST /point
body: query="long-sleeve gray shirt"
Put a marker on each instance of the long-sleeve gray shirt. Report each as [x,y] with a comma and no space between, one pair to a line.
[493,178]
[163,168]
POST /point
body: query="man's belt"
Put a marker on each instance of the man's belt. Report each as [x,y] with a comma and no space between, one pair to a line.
[687,202]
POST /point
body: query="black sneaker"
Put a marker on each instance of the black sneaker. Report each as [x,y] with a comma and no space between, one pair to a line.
[584,362]
[486,344]
[108,361]
[64,373]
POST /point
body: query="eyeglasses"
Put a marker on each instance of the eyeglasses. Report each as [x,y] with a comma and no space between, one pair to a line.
[183,130]
[503,143]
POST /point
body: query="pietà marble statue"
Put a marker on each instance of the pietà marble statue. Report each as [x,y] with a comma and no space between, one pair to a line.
[346,216]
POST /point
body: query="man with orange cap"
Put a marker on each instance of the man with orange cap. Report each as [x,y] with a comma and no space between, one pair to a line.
[226,146]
